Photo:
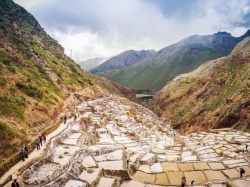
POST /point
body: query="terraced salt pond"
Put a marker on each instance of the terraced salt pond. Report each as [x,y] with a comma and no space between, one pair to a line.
[95,152]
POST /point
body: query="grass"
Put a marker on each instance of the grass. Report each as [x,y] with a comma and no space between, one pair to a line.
[3,81]
[66,70]
[30,90]
[12,106]
[6,132]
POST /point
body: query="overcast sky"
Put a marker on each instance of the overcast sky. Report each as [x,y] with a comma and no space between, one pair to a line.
[103,28]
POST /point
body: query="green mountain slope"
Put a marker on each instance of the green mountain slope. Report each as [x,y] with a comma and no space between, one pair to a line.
[121,61]
[216,95]
[188,54]
[36,79]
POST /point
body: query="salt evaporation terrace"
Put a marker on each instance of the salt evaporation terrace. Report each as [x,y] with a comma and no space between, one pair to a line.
[93,151]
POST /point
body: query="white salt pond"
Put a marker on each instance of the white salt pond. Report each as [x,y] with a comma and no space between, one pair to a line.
[111,165]
[88,161]
[75,183]
[91,175]
[115,155]
[105,182]
[63,154]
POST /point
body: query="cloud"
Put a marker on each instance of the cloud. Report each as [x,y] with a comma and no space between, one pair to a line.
[97,28]
[216,15]
[27,3]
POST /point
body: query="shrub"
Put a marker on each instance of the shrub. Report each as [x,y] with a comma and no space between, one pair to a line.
[30,90]
[11,106]
[3,81]
[7,132]
[6,61]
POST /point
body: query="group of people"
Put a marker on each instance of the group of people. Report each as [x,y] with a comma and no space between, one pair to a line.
[39,141]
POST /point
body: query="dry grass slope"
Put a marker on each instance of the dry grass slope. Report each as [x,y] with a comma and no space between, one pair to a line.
[216,95]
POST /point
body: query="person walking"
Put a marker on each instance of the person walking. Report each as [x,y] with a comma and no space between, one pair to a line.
[242,171]
[41,140]
[44,137]
[192,183]
[65,119]
[246,147]
[22,153]
[37,144]
[127,162]
[26,151]
[15,184]
[183,182]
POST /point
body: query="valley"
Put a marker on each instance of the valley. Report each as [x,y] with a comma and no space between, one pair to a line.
[111,132]
[154,72]
[141,118]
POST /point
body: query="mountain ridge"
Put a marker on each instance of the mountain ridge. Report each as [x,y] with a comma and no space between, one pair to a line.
[122,60]
[181,57]
[216,95]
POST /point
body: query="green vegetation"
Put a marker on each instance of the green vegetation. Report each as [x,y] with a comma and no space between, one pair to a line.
[12,106]
[6,132]
[8,62]
[3,81]
[123,60]
[30,90]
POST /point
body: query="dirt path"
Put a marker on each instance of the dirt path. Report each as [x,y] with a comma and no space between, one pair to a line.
[35,153]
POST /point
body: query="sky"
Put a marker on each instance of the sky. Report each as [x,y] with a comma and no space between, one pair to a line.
[104,28]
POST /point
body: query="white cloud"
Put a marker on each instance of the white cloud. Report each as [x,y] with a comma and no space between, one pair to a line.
[29,3]
[97,28]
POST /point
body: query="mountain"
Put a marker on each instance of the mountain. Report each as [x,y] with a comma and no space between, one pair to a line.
[37,81]
[216,95]
[123,60]
[182,57]
[92,63]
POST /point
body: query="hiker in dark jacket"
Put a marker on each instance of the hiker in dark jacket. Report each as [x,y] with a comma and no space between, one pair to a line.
[65,119]
[22,152]
[44,137]
[183,182]
[37,144]
[15,184]
[41,140]
[242,171]
[26,151]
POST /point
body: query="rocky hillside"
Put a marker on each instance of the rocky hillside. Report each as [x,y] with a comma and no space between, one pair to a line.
[37,81]
[216,95]
[121,61]
[90,64]
[185,56]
